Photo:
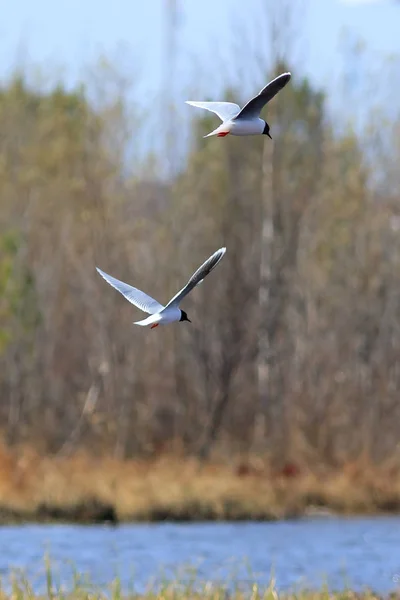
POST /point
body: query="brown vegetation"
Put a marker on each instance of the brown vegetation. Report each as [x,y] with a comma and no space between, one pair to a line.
[87,489]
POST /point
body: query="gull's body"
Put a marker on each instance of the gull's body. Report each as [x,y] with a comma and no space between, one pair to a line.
[167,315]
[159,314]
[239,127]
[245,121]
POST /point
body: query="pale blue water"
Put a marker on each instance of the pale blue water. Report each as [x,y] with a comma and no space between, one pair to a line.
[355,552]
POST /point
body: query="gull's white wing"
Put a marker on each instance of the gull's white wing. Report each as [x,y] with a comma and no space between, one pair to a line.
[197,277]
[254,106]
[138,298]
[225,110]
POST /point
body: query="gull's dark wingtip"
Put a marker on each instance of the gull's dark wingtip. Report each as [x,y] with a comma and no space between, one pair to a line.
[220,253]
[215,258]
[285,77]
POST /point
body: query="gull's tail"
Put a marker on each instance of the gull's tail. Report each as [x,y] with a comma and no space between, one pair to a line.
[148,321]
[220,131]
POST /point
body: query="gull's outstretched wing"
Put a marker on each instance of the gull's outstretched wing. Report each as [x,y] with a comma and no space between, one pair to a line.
[138,298]
[225,110]
[254,106]
[197,277]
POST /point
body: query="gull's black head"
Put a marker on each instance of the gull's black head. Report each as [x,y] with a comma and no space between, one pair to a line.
[184,317]
[266,130]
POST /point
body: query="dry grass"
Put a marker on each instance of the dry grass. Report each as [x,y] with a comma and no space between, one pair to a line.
[205,591]
[188,585]
[85,488]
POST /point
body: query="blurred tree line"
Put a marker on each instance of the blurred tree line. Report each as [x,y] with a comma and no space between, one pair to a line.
[293,351]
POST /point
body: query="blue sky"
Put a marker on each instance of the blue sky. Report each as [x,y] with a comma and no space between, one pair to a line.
[72,33]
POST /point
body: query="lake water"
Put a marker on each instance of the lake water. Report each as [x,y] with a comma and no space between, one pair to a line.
[355,552]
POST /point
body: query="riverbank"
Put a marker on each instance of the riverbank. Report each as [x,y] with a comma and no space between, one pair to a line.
[84,489]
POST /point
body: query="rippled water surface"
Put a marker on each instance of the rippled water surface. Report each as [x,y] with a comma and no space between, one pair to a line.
[354,552]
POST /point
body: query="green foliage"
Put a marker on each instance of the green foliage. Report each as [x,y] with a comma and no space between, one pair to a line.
[18,306]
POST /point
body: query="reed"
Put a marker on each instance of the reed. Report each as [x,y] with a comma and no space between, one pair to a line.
[87,489]
[18,586]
